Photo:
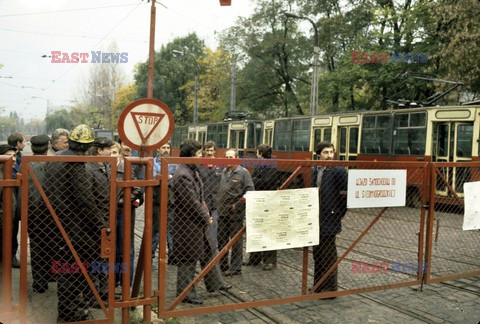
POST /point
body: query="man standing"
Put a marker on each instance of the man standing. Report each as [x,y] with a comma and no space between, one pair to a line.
[59,141]
[190,226]
[163,151]
[211,176]
[235,182]
[16,140]
[265,179]
[43,243]
[69,190]
[333,206]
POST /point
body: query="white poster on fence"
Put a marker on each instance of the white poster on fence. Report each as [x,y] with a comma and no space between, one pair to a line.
[376,188]
[281,219]
[471,217]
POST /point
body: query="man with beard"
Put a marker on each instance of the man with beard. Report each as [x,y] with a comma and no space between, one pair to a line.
[333,206]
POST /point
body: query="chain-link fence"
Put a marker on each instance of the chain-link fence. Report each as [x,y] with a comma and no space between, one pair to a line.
[359,249]
[452,251]
[195,216]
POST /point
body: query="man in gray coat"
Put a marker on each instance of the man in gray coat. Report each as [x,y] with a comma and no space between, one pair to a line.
[191,220]
[235,182]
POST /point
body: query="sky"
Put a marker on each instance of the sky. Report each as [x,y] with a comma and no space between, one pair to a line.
[31,29]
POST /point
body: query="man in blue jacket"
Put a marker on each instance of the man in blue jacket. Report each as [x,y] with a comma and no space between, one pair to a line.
[331,182]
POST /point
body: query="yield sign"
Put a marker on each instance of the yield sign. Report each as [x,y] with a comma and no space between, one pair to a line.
[145,124]
[152,120]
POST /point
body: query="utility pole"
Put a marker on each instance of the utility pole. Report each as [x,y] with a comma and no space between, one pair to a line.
[234,78]
[151,52]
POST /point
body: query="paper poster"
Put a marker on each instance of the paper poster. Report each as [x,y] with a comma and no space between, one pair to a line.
[376,188]
[471,218]
[282,219]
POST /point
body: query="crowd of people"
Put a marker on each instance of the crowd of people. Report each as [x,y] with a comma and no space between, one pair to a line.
[206,209]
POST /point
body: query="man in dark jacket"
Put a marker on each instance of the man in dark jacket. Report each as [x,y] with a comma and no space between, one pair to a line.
[211,176]
[43,244]
[265,179]
[235,182]
[333,206]
[190,226]
[69,190]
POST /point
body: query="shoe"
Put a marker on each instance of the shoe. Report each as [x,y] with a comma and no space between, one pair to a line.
[225,287]
[40,286]
[15,263]
[269,266]
[249,263]
[194,301]
[232,272]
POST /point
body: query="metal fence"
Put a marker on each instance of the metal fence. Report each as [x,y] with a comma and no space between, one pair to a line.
[196,212]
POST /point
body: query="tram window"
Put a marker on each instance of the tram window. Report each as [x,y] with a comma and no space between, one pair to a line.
[343,140]
[409,134]
[301,135]
[353,142]
[212,133]
[327,135]
[464,141]
[282,135]
[222,136]
[258,134]
[376,134]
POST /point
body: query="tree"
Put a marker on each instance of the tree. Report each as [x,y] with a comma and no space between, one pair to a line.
[172,71]
[59,119]
[214,86]
[123,97]
[275,61]
[103,82]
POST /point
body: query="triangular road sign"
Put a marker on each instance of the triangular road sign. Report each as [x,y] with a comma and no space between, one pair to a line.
[148,121]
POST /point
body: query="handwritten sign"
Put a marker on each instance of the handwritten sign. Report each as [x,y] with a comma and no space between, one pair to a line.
[471,218]
[376,188]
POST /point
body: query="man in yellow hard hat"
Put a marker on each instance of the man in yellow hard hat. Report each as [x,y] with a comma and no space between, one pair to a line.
[70,191]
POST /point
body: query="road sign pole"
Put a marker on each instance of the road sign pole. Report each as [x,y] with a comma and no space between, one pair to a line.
[151,53]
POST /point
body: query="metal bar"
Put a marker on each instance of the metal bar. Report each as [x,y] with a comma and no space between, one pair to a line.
[209,266]
[431,211]
[137,183]
[162,252]
[7,238]
[421,234]
[454,276]
[67,241]
[147,235]
[453,192]
[113,233]
[350,248]
[127,232]
[279,301]
[139,301]
[23,243]
[305,271]
[151,51]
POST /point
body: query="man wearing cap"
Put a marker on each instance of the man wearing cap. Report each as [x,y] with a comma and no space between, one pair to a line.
[6,149]
[44,235]
[69,190]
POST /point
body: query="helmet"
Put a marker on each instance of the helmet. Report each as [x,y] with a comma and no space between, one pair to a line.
[82,134]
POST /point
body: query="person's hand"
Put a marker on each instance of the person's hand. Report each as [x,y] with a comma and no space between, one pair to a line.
[210,221]
[234,208]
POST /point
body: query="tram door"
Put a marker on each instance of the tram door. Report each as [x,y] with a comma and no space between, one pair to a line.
[452,142]
[237,140]
[347,143]
[320,134]
[201,137]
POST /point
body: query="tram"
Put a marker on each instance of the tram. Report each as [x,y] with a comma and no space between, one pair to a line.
[431,134]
